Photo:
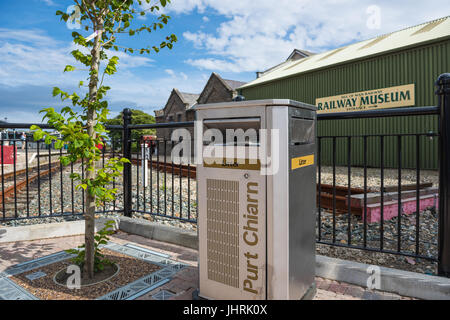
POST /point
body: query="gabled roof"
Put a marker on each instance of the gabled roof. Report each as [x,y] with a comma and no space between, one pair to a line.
[230,85]
[233,84]
[432,31]
[294,56]
[189,99]
[300,54]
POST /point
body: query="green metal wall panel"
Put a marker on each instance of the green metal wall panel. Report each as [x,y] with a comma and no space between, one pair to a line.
[419,65]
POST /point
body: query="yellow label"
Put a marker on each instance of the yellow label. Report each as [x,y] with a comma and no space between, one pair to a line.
[302,162]
[241,164]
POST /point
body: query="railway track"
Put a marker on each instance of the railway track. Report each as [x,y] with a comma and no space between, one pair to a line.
[186,171]
[19,189]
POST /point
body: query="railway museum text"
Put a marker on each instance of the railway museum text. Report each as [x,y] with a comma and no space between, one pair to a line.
[401,96]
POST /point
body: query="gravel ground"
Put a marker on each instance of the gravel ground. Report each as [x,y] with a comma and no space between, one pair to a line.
[374,177]
[185,205]
[379,259]
[428,232]
[45,288]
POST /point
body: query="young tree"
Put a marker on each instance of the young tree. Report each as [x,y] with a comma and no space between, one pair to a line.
[84,130]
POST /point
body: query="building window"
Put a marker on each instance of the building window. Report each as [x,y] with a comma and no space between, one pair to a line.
[179,117]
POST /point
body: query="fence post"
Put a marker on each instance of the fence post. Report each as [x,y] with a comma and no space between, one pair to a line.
[443,92]
[126,149]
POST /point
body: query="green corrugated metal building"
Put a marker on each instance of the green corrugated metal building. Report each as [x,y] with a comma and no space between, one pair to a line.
[416,55]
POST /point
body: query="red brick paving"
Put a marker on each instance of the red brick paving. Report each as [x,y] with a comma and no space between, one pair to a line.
[185,281]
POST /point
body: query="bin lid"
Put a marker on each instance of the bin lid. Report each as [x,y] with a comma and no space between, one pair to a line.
[256,103]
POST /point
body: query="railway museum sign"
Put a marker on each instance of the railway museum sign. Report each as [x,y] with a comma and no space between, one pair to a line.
[393,97]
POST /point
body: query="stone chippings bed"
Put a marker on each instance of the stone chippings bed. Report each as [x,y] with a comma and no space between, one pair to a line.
[140,271]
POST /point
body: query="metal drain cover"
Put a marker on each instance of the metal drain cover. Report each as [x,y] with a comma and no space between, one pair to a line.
[163,295]
[36,275]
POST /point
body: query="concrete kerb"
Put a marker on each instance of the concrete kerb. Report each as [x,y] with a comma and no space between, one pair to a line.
[49,230]
[139,227]
[155,231]
[404,283]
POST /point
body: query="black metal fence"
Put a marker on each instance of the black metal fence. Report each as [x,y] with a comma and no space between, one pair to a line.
[35,185]
[395,212]
[391,210]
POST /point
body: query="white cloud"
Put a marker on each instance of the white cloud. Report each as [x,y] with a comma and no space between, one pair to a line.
[30,57]
[259,34]
[184,75]
[48,2]
[31,63]
[170,72]
[205,19]
[148,93]
[173,74]
[31,36]
[215,64]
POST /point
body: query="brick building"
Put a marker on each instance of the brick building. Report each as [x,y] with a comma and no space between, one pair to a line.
[178,109]
[219,90]
[179,105]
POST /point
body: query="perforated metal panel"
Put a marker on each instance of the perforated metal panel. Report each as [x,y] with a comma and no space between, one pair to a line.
[223,231]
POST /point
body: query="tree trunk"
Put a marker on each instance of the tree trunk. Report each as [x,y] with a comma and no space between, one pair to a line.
[91,174]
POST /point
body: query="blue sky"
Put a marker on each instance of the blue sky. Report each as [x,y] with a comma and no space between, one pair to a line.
[235,38]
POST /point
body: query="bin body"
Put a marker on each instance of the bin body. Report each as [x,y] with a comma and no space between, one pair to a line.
[9,154]
[257,223]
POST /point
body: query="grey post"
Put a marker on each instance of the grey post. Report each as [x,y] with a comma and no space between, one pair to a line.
[443,92]
[126,149]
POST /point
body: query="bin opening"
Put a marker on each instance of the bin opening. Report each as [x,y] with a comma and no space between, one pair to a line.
[302,131]
[239,132]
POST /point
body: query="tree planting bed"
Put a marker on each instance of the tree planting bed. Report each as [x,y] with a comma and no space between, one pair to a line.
[136,271]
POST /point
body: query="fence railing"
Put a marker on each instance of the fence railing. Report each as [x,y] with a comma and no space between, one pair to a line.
[402,211]
[394,212]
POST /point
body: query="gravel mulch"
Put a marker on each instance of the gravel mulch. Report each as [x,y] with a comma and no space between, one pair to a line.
[45,288]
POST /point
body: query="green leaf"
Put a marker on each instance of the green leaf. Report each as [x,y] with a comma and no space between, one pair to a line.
[56,91]
[59,144]
[65,161]
[82,186]
[69,68]
[38,135]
